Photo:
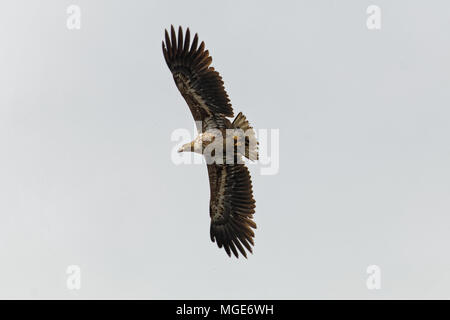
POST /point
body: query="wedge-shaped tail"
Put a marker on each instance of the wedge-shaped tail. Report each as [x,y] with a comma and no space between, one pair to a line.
[251,143]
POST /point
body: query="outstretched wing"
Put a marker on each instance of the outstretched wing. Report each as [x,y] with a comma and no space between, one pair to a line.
[231,208]
[201,86]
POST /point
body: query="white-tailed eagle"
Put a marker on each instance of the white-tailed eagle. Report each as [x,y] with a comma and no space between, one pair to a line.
[231,204]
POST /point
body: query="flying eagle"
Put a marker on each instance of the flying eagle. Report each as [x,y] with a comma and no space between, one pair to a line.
[231,206]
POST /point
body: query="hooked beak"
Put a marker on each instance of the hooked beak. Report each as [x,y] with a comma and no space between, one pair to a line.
[185,147]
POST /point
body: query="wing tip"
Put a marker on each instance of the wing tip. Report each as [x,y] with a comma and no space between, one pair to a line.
[236,241]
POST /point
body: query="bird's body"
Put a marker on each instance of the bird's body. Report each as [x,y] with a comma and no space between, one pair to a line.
[222,142]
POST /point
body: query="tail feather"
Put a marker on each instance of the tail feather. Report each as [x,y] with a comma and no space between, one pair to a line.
[251,143]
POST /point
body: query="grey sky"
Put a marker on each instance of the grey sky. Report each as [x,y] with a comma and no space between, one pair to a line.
[86,176]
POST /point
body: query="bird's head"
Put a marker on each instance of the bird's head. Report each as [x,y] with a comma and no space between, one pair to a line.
[198,144]
[195,145]
[187,147]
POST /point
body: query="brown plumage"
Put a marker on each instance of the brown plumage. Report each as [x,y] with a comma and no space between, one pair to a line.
[231,197]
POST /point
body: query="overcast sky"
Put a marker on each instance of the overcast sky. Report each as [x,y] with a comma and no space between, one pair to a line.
[87,179]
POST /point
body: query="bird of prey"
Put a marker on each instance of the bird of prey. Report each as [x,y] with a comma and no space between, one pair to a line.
[232,205]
